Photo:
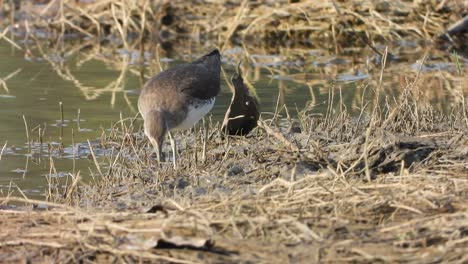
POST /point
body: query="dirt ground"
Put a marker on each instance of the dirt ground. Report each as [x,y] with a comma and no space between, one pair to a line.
[387,187]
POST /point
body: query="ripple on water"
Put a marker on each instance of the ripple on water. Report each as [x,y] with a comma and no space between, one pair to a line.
[59,174]
[85,130]
[7,96]
[351,77]
[59,123]
[32,191]
[18,170]
[428,67]
[330,62]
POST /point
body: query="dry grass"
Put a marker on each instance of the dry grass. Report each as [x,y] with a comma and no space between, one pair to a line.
[342,22]
[389,187]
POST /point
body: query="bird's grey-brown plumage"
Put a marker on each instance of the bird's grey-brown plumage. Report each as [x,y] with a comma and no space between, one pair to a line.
[243,113]
[168,99]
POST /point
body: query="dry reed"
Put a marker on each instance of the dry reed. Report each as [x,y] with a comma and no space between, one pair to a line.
[305,21]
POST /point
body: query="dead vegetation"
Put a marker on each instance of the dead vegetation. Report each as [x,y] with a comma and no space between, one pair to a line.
[273,22]
[390,186]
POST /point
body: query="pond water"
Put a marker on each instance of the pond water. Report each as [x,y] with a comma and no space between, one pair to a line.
[96,92]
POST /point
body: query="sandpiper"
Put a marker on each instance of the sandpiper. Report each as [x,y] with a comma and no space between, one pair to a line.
[177,98]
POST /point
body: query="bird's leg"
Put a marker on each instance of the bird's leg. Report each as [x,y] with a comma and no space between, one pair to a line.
[158,153]
[205,137]
[173,145]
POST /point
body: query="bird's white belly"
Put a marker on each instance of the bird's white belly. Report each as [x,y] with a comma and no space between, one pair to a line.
[195,113]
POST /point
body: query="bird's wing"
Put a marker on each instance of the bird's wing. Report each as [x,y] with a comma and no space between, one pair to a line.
[195,80]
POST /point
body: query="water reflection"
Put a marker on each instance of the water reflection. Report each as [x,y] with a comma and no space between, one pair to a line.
[99,85]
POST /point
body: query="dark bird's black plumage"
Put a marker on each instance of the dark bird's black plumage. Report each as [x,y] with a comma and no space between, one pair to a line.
[243,113]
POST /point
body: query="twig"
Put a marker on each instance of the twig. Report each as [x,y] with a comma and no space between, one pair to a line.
[1,151]
[96,163]
[278,135]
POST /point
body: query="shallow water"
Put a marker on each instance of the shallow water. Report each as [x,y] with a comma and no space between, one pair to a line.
[95,95]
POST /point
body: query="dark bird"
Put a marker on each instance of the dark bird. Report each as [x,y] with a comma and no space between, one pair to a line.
[177,98]
[243,113]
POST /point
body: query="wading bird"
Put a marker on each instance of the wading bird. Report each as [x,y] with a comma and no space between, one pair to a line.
[177,98]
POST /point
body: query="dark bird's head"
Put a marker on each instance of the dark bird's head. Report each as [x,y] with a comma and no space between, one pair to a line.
[241,90]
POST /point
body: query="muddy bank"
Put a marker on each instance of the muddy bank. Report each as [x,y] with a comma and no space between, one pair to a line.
[390,185]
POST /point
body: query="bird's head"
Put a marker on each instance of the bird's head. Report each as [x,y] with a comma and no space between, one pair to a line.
[156,129]
[238,82]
